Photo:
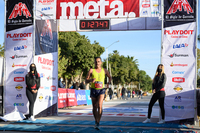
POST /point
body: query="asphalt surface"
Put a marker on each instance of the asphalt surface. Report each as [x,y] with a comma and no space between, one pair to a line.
[131,110]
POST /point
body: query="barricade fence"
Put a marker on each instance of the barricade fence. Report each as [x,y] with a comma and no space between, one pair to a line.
[72,97]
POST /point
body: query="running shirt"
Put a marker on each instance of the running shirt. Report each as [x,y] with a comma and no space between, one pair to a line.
[100,77]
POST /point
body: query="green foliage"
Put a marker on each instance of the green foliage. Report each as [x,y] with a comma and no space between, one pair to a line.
[76,54]
[2,50]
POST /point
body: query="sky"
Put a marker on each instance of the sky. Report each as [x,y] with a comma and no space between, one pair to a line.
[144,45]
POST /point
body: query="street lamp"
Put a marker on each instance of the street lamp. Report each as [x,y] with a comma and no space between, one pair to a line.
[107,54]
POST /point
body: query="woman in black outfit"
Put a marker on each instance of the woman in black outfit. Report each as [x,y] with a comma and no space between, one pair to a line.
[32,86]
[158,93]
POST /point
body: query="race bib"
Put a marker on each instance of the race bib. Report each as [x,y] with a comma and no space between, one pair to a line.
[98,84]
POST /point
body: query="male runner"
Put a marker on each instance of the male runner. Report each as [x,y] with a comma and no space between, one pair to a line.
[96,77]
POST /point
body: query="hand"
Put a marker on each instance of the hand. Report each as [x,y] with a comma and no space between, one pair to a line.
[154,91]
[34,91]
[93,80]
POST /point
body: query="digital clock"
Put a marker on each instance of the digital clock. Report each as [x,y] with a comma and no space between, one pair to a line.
[94,24]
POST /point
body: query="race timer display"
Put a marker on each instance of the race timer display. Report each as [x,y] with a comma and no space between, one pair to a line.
[94,24]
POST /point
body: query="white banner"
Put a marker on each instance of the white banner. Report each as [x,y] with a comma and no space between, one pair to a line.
[150,8]
[45,9]
[1,70]
[47,67]
[178,57]
[19,54]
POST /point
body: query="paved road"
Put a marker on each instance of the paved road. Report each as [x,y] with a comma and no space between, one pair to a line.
[131,110]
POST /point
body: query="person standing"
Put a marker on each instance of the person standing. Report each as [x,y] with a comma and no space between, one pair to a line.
[60,84]
[158,93]
[32,86]
[96,77]
[110,93]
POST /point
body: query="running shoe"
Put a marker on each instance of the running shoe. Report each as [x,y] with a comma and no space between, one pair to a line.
[161,122]
[147,121]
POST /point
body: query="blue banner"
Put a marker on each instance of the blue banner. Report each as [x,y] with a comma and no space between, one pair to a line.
[89,101]
[81,97]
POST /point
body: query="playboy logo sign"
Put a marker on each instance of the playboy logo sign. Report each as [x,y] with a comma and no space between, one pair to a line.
[178,5]
[20,9]
[47,31]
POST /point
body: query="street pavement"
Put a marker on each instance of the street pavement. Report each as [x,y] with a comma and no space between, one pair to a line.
[131,110]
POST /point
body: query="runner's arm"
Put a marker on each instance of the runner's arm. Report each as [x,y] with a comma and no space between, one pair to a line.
[108,75]
[88,80]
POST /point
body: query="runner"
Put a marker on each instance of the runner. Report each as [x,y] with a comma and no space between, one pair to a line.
[96,77]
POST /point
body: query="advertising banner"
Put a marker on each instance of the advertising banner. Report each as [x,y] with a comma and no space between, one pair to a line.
[93,9]
[18,53]
[71,97]
[62,98]
[45,9]
[1,70]
[19,14]
[80,97]
[46,40]
[47,97]
[89,101]
[179,58]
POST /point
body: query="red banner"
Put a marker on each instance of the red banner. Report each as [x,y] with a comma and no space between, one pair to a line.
[71,97]
[62,98]
[91,9]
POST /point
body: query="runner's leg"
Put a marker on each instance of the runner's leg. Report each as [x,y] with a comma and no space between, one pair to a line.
[100,108]
[94,109]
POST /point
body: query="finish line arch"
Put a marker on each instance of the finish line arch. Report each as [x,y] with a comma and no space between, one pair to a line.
[32,37]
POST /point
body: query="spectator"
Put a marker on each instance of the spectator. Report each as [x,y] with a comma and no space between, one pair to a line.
[60,85]
[124,93]
[76,86]
[110,93]
[83,86]
[133,94]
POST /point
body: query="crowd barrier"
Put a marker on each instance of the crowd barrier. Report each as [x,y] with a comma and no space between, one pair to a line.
[72,97]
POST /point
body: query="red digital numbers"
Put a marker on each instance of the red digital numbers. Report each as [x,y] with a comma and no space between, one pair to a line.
[94,24]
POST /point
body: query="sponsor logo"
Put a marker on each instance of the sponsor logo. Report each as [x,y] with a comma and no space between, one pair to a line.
[47,31]
[145,5]
[45,61]
[180,45]
[20,47]
[178,5]
[46,88]
[177,107]
[46,8]
[40,97]
[18,72]
[178,55]
[41,87]
[42,75]
[19,79]
[144,12]
[50,78]
[53,88]
[18,87]
[71,95]
[19,10]
[177,99]
[49,98]
[62,95]
[19,65]
[45,2]
[19,96]
[155,5]
[179,32]
[183,65]
[178,79]
[101,9]
[18,35]
[18,104]
[178,88]
[178,72]
[81,97]
[18,56]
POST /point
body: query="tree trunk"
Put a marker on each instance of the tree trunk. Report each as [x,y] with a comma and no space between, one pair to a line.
[80,77]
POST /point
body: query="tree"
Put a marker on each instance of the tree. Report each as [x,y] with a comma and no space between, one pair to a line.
[76,54]
[2,50]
